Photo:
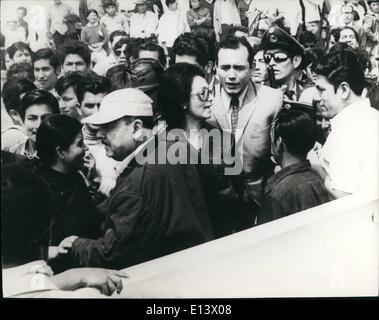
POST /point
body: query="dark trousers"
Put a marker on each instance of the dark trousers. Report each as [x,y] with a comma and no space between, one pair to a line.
[58,39]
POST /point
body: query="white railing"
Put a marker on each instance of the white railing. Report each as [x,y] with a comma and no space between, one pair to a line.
[328,251]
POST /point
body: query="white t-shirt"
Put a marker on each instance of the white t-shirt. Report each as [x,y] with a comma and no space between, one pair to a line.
[350,155]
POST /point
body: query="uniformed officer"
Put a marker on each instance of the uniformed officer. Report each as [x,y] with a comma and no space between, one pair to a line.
[284,55]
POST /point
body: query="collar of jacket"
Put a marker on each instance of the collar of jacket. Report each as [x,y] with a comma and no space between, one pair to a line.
[282,174]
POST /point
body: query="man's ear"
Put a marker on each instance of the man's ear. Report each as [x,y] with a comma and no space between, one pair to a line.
[15,116]
[137,126]
[59,152]
[78,109]
[297,61]
[344,89]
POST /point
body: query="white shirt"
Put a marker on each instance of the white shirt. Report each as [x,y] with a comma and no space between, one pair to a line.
[13,36]
[170,26]
[226,99]
[350,155]
[143,25]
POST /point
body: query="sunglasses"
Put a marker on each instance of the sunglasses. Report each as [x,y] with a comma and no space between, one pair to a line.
[203,95]
[279,57]
[118,52]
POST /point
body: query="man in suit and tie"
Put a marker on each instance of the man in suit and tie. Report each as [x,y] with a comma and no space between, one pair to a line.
[246,110]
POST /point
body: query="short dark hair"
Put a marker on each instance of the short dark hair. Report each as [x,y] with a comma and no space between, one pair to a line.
[175,92]
[307,37]
[335,33]
[16,47]
[342,66]
[58,130]
[152,46]
[21,70]
[92,11]
[117,33]
[67,81]
[108,3]
[95,85]
[47,54]
[118,76]
[168,2]
[74,47]
[38,96]
[235,43]
[188,44]
[12,89]
[298,130]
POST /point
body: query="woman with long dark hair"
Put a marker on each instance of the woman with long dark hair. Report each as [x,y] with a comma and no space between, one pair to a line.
[61,150]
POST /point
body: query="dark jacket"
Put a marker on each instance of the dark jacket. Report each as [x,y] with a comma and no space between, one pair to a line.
[73,213]
[291,190]
[154,210]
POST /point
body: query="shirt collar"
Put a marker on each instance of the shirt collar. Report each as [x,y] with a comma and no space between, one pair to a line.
[340,116]
[226,98]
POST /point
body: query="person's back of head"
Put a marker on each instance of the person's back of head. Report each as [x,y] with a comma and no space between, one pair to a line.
[297,129]
[21,70]
[189,45]
[11,94]
[308,39]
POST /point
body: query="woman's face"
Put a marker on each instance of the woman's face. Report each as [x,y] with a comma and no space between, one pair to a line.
[200,100]
[74,154]
[92,17]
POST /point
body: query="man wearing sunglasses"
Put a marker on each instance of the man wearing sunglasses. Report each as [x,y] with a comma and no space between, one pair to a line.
[246,110]
[117,56]
[284,55]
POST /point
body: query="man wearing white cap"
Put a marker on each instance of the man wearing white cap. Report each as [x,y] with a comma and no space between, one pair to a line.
[155,209]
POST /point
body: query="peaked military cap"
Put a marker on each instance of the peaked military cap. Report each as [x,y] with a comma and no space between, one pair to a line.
[277,38]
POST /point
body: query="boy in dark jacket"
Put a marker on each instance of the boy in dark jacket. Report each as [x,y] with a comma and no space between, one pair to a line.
[295,187]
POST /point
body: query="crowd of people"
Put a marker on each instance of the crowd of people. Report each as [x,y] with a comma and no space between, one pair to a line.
[135,129]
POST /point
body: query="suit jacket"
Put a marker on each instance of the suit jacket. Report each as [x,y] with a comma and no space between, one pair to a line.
[258,110]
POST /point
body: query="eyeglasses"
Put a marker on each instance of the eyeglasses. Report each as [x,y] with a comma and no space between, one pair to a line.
[279,57]
[118,52]
[203,95]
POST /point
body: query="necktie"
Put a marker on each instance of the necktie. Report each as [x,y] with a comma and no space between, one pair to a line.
[234,105]
[291,94]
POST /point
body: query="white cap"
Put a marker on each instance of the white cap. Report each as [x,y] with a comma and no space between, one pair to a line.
[121,103]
